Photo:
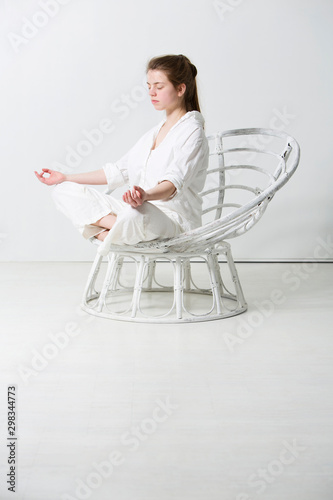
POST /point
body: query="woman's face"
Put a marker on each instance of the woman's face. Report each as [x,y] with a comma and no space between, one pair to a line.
[162,93]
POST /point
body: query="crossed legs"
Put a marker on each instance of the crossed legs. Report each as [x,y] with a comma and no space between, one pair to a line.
[86,207]
[106,222]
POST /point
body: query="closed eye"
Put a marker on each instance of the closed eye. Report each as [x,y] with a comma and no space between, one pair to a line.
[158,88]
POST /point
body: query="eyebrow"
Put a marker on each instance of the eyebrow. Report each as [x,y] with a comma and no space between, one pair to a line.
[153,83]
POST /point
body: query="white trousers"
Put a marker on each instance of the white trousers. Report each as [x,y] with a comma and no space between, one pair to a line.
[85,205]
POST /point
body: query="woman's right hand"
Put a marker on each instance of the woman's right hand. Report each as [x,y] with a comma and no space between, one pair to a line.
[53,178]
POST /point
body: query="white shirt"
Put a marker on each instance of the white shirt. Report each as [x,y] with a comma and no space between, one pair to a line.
[181,158]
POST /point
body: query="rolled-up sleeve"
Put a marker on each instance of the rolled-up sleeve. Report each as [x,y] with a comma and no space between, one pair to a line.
[116,173]
[189,161]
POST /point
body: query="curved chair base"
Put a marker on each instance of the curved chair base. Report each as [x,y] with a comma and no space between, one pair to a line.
[141,300]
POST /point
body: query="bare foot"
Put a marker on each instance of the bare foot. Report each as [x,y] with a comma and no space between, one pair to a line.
[102,236]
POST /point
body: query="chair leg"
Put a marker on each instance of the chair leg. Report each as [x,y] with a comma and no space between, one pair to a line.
[119,265]
[214,275]
[235,278]
[215,258]
[178,287]
[151,274]
[89,288]
[187,274]
[109,277]
[138,286]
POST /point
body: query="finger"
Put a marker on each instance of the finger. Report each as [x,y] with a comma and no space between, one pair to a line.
[131,200]
[140,193]
[39,177]
[136,197]
[47,170]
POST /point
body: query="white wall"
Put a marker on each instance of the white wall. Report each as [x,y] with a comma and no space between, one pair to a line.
[253,58]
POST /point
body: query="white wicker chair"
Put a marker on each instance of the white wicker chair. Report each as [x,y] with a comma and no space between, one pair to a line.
[246,168]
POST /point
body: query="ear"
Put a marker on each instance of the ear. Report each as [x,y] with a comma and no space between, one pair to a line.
[181,89]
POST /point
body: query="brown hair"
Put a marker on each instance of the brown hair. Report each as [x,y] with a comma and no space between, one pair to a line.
[179,69]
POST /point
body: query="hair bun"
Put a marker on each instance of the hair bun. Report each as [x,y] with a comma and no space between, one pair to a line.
[185,59]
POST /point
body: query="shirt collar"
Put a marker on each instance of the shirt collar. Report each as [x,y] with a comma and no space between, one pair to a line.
[194,115]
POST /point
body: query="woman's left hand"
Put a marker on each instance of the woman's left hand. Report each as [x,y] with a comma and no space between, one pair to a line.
[135,197]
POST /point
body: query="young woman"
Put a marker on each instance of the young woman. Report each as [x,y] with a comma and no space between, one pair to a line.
[164,171]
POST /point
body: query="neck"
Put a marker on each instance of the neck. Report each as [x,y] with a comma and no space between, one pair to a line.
[172,116]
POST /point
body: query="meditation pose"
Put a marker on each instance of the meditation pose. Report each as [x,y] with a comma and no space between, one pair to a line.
[163,172]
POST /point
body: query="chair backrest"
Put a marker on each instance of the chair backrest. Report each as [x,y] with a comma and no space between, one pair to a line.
[246,168]
[244,164]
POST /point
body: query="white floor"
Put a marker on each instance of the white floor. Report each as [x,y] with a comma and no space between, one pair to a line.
[235,409]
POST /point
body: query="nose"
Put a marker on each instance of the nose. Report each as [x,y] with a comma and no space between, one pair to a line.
[152,91]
